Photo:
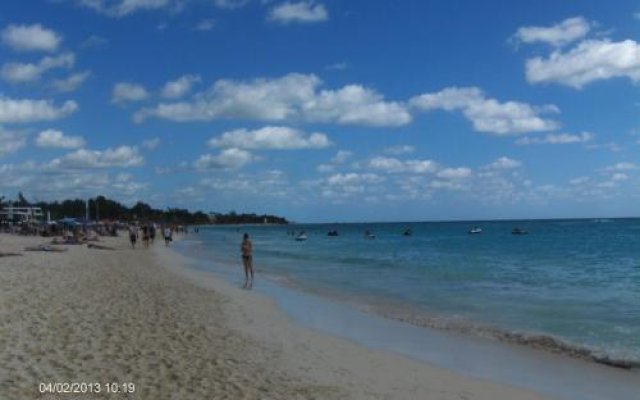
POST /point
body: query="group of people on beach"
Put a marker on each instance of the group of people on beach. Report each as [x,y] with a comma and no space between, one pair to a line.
[149,234]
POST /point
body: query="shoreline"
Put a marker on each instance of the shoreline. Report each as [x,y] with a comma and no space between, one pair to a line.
[533,340]
[408,314]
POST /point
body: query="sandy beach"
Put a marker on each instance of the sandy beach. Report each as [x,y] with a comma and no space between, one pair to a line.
[139,316]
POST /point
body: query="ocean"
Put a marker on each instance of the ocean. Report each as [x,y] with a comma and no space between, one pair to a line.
[567,286]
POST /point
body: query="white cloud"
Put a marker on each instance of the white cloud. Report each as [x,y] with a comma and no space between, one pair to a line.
[387,164]
[262,99]
[10,142]
[580,180]
[341,157]
[205,25]
[341,186]
[454,173]
[93,41]
[567,31]
[622,166]
[486,114]
[26,72]
[293,97]
[420,166]
[125,92]
[30,38]
[324,168]
[400,150]
[504,163]
[394,165]
[611,146]
[54,138]
[44,182]
[561,138]
[607,185]
[123,156]
[619,177]
[151,144]
[180,86]
[271,183]
[15,175]
[590,61]
[303,12]
[123,177]
[129,6]
[28,110]
[270,137]
[227,159]
[191,193]
[446,185]
[230,4]
[339,66]
[122,8]
[72,82]
[355,105]
[353,178]
[123,183]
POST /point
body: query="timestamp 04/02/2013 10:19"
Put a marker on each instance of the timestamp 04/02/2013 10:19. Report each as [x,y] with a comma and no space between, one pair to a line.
[86,387]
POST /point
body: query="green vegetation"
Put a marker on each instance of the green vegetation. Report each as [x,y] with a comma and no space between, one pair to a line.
[233,218]
[101,208]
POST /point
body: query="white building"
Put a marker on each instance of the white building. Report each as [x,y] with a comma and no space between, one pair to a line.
[21,214]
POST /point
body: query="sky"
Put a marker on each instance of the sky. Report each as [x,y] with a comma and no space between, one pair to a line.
[325,110]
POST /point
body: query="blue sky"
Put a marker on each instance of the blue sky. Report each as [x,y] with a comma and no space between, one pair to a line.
[325,110]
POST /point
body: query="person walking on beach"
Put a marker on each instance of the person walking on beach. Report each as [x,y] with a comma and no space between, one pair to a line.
[145,236]
[167,236]
[246,249]
[133,235]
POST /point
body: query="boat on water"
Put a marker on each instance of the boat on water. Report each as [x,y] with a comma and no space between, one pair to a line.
[332,233]
[475,230]
[301,237]
[407,232]
[369,235]
[519,231]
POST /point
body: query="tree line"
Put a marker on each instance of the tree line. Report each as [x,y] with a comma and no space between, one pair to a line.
[102,208]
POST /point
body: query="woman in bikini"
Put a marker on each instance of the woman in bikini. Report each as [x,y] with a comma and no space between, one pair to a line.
[246,249]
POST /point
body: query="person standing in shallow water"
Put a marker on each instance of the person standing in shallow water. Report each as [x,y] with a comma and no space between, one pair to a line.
[246,249]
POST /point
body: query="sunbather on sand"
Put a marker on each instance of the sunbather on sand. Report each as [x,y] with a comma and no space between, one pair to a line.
[45,247]
[9,254]
[99,247]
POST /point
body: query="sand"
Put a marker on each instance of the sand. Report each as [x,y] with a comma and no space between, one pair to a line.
[140,316]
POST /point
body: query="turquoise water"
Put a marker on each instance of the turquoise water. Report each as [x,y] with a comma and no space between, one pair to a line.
[571,286]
